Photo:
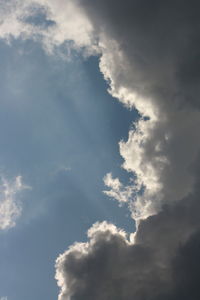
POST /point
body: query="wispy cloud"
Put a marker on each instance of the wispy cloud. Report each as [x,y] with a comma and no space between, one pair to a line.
[123,194]
[50,22]
[10,203]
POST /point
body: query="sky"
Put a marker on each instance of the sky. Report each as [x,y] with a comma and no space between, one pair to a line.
[59,132]
[100,150]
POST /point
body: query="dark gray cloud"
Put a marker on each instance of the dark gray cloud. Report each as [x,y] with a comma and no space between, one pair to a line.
[110,268]
[159,39]
[162,264]
[186,270]
[149,49]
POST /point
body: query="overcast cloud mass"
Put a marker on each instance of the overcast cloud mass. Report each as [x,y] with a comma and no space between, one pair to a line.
[149,54]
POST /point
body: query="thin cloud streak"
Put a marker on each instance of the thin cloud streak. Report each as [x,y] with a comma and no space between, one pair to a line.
[10,203]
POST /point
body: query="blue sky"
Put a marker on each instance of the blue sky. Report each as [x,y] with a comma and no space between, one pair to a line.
[59,130]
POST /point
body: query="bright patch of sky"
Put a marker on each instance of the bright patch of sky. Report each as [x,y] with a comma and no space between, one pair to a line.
[59,130]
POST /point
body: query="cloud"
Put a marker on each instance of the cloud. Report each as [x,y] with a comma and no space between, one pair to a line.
[162,263]
[149,54]
[145,61]
[10,204]
[117,190]
[50,22]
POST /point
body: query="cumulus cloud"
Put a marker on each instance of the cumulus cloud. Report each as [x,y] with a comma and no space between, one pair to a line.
[145,61]
[10,204]
[162,263]
[148,52]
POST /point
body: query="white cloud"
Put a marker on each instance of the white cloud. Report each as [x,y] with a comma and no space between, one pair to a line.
[10,203]
[69,23]
[118,191]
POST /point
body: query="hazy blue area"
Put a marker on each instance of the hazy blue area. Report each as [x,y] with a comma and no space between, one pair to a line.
[59,129]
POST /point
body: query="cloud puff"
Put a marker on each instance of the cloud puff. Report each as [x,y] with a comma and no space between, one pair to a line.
[10,204]
[107,267]
[117,190]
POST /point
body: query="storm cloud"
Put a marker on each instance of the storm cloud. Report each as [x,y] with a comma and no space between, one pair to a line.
[149,54]
[162,263]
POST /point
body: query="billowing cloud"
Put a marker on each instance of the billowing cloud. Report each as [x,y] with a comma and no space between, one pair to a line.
[10,204]
[148,52]
[145,62]
[109,267]
[161,263]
